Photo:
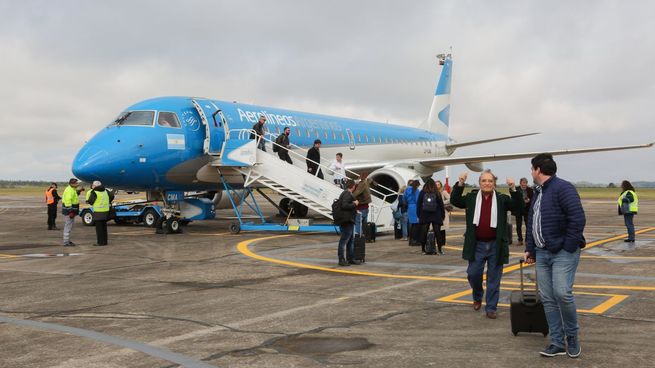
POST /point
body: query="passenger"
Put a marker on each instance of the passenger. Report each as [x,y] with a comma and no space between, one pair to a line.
[485,240]
[445,196]
[339,171]
[628,207]
[52,199]
[260,132]
[411,195]
[345,218]
[522,215]
[402,207]
[100,199]
[284,145]
[430,210]
[363,195]
[70,207]
[553,240]
[315,156]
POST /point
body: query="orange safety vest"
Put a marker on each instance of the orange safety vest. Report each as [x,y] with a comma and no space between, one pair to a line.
[49,198]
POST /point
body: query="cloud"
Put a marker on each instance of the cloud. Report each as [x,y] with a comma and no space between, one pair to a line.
[578,72]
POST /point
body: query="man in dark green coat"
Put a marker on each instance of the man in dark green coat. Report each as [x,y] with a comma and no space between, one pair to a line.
[486,239]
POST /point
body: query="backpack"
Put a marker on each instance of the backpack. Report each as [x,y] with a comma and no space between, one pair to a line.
[429,202]
[339,216]
[278,140]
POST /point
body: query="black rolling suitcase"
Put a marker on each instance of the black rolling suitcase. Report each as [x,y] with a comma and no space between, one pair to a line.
[360,249]
[526,310]
[369,232]
[431,244]
[397,230]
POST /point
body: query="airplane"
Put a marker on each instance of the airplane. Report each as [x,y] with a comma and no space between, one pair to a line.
[170,144]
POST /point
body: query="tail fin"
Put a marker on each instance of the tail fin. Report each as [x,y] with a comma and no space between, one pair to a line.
[439,117]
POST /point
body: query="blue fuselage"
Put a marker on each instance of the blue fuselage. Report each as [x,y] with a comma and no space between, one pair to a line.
[157,156]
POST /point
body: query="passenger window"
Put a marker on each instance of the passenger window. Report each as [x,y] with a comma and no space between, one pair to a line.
[168,119]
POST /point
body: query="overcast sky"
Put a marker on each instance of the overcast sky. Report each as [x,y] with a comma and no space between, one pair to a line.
[580,72]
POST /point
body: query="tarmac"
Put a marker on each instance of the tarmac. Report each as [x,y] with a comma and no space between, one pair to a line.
[209,298]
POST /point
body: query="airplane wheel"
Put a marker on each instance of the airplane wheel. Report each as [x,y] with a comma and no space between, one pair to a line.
[285,205]
[299,210]
[150,217]
[235,228]
[87,218]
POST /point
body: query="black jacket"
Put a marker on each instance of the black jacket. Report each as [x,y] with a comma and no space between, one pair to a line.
[56,197]
[282,140]
[347,210]
[425,217]
[526,208]
[259,130]
[314,155]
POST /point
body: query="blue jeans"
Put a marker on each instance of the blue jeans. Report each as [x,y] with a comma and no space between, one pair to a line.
[485,252]
[347,238]
[555,275]
[628,220]
[262,144]
[404,224]
[361,218]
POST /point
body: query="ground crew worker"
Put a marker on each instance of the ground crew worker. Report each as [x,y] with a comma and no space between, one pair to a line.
[70,207]
[51,199]
[628,207]
[100,199]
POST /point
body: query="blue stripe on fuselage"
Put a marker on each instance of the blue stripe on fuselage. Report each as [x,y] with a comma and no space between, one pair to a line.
[142,157]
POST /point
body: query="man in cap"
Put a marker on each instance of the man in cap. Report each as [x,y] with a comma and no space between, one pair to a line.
[70,207]
[314,159]
[100,199]
[259,133]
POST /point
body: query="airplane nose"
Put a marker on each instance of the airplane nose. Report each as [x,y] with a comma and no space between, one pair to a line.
[91,163]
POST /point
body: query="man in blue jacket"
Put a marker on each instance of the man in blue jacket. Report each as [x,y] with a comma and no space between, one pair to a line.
[554,238]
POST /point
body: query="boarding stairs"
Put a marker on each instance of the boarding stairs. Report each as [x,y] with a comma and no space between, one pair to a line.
[292,181]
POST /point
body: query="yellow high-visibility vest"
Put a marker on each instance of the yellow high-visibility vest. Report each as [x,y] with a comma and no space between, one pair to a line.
[101,203]
[634,205]
[70,197]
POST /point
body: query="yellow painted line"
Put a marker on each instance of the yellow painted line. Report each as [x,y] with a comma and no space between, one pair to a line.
[243,248]
[589,245]
[8,256]
[613,299]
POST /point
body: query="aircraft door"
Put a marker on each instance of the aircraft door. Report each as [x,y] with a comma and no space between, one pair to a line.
[215,125]
[351,139]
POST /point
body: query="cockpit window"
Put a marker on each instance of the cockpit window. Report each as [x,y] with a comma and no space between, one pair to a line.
[144,118]
[168,119]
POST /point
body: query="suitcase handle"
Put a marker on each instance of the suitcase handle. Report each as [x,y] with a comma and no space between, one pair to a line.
[528,302]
